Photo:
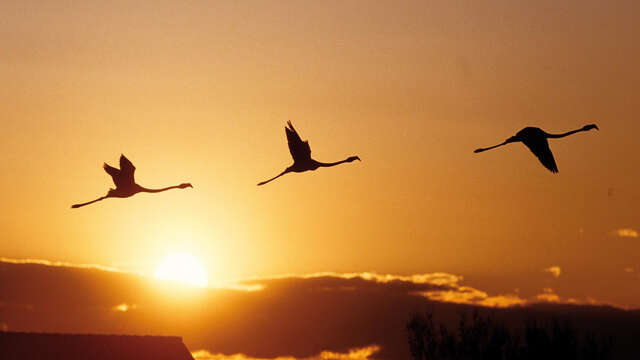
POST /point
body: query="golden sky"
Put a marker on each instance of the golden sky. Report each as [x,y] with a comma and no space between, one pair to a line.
[200,91]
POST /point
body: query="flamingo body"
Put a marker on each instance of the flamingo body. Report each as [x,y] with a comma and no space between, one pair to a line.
[535,139]
[126,185]
[301,154]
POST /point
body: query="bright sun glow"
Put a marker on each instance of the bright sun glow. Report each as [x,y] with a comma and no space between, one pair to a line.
[182,267]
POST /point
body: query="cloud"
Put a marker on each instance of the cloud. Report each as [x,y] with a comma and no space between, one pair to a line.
[630,233]
[438,286]
[205,355]
[317,316]
[59,264]
[442,287]
[312,316]
[437,278]
[242,287]
[253,284]
[124,307]
[502,301]
[549,296]
[468,295]
[554,270]
[629,269]
[363,353]
[353,354]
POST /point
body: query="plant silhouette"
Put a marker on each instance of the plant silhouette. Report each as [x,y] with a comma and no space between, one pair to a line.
[301,153]
[536,140]
[125,183]
[484,338]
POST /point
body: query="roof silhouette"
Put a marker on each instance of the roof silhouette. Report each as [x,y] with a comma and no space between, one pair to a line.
[28,346]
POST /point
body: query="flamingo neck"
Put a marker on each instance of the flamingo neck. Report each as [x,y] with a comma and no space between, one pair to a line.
[321,164]
[556,136]
[143,189]
[509,140]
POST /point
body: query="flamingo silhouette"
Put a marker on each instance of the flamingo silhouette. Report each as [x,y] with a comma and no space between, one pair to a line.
[536,140]
[301,153]
[125,183]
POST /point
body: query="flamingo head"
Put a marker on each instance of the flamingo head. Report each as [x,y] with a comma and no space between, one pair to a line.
[185,185]
[590,126]
[352,158]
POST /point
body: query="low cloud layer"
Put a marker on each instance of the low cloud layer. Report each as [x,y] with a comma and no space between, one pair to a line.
[58,263]
[315,316]
[625,233]
[365,353]
[548,295]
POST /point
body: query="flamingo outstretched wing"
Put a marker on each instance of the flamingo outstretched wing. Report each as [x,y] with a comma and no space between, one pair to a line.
[122,177]
[300,150]
[113,172]
[539,146]
[127,169]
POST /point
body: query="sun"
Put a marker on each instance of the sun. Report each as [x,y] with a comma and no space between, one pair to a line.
[182,267]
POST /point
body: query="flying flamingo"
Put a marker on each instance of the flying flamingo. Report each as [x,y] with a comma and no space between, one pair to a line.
[536,140]
[125,184]
[301,153]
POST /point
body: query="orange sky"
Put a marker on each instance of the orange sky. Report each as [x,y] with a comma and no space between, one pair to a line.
[200,92]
